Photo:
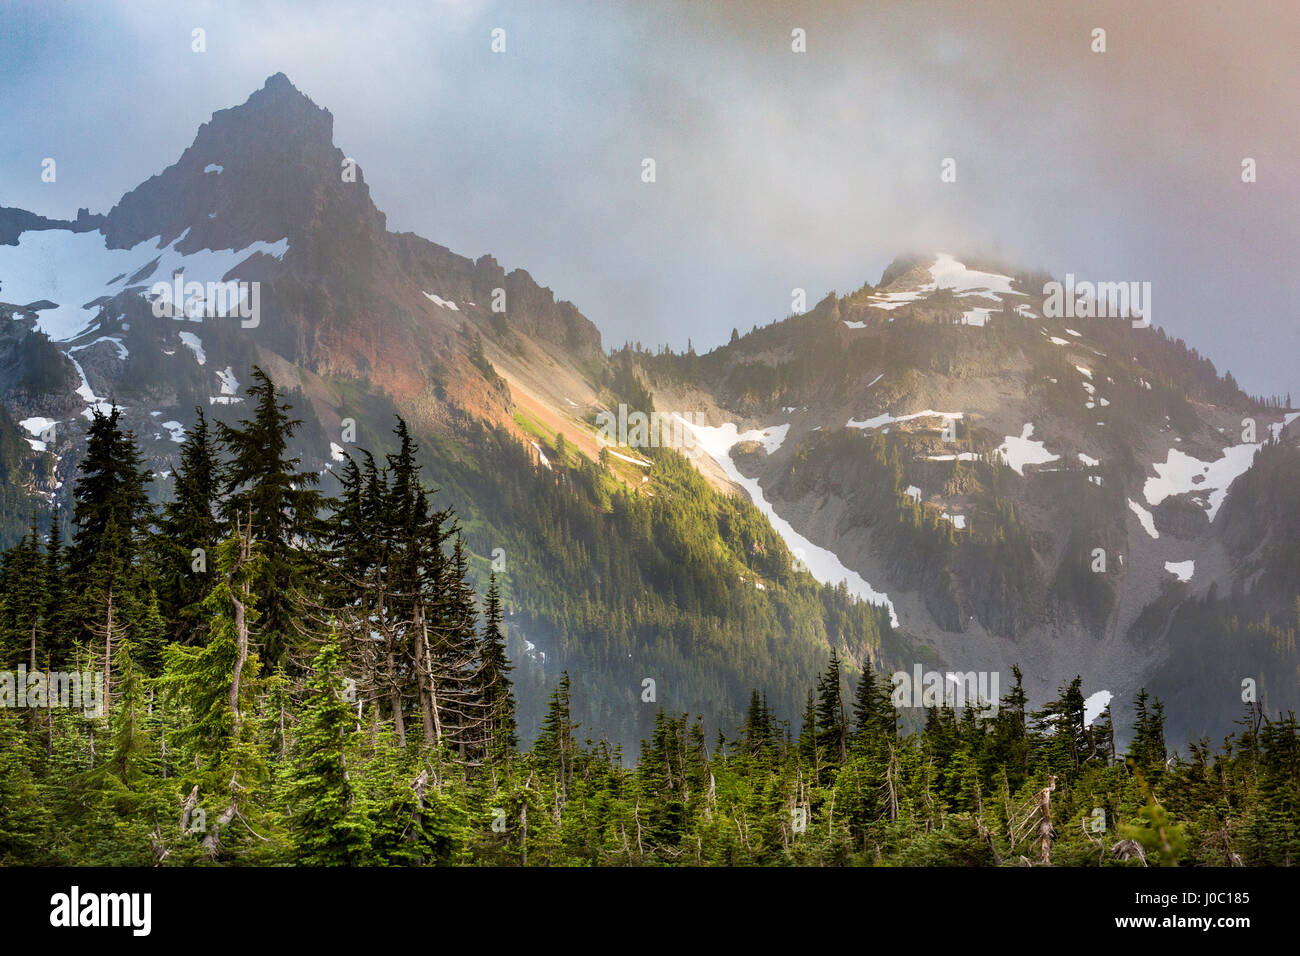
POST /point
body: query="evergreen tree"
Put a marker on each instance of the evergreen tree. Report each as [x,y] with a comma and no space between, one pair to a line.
[494,676]
[832,730]
[265,492]
[328,827]
[111,504]
[189,531]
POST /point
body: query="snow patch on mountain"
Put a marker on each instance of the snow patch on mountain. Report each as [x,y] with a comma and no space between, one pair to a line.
[229,384]
[1018,452]
[629,458]
[1094,705]
[821,563]
[75,270]
[1182,570]
[441,302]
[1180,473]
[37,425]
[93,402]
[1145,518]
[948,273]
[195,345]
[122,351]
[888,419]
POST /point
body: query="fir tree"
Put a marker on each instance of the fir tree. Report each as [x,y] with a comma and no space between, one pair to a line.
[328,827]
[265,491]
[494,680]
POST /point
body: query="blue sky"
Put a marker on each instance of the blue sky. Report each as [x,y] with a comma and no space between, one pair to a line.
[775,170]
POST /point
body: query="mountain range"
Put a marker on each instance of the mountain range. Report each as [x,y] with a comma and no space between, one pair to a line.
[937,469]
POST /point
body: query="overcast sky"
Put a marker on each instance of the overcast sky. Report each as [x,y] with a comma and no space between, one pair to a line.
[775,169]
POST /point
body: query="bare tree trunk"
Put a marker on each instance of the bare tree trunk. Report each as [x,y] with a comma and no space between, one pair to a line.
[241,620]
[108,657]
[187,809]
[424,675]
[1045,821]
[419,784]
[241,652]
[212,842]
[395,694]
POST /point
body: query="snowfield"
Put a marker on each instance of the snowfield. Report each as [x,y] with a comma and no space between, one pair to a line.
[948,273]
[1176,474]
[76,270]
[1182,570]
[37,425]
[822,564]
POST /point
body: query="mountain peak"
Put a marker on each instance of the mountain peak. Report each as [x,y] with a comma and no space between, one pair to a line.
[280,82]
[259,171]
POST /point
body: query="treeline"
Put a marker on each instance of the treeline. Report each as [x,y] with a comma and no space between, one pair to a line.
[315,782]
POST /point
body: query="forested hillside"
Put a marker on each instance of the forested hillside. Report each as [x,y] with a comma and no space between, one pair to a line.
[290,677]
